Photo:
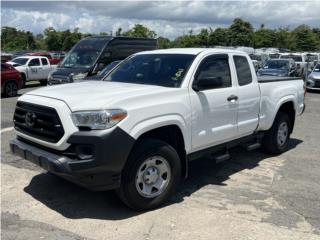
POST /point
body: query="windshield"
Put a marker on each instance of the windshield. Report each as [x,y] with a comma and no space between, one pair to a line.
[296,58]
[108,68]
[85,53]
[166,70]
[20,61]
[276,64]
[255,57]
[274,55]
[317,68]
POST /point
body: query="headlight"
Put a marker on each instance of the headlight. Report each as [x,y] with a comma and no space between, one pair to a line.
[79,76]
[98,119]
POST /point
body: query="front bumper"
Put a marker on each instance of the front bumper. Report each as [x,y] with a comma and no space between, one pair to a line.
[101,172]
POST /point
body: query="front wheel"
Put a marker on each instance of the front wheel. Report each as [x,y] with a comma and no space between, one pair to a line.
[43,82]
[150,176]
[276,139]
[10,89]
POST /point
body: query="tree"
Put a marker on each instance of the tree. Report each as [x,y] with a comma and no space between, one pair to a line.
[189,40]
[52,39]
[164,42]
[264,38]
[118,32]
[140,31]
[241,33]
[203,38]
[305,39]
[13,39]
[219,37]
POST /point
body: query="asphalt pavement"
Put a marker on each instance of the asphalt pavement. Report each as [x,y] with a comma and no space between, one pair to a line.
[252,196]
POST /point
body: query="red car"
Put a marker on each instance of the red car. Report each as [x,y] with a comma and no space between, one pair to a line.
[11,80]
[53,61]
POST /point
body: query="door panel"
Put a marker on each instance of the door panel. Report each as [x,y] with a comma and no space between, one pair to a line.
[249,97]
[214,103]
[249,106]
[34,69]
[214,118]
[45,68]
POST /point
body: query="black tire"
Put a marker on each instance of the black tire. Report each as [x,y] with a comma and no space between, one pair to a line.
[24,80]
[270,141]
[147,148]
[10,89]
[43,82]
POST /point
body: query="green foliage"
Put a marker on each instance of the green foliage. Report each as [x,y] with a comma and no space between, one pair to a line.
[63,40]
[304,38]
[164,42]
[264,38]
[219,37]
[240,33]
[13,39]
[139,31]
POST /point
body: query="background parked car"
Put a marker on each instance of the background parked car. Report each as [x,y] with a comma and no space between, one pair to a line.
[279,67]
[90,55]
[313,81]
[301,60]
[5,57]
[100,75]
[58,55]
[33,68]
[53,61]
[11,80]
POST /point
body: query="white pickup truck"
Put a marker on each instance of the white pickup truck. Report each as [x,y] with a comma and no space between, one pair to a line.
[33,68]
[136,130]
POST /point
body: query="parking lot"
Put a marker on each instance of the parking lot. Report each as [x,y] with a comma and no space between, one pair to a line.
[252,196]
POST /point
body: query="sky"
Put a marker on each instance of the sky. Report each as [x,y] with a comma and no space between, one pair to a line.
[167,18]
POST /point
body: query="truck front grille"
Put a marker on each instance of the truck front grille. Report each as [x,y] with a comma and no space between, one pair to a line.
[38,121]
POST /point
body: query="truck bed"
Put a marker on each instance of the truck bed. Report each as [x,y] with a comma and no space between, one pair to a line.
[276,91]
[263,79]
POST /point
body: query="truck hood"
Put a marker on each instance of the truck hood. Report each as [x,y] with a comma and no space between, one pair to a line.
[67,71]
[15,64]
[97,95]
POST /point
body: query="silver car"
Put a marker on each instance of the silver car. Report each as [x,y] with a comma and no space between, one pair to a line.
[313,80]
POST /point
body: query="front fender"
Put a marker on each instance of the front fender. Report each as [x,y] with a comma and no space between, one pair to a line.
[161,121]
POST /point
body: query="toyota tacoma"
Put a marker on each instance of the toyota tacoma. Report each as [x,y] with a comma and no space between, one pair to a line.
[137,130]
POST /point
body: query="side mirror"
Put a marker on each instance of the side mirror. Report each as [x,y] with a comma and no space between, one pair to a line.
[207,83]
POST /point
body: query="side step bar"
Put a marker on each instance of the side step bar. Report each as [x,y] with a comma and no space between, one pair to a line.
[222,158]
[253,146]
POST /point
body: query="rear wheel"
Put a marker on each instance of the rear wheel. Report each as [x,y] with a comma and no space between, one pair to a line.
[10,89]
[276,139]
[150,176]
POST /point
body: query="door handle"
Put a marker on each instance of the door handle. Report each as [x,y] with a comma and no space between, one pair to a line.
[232,98]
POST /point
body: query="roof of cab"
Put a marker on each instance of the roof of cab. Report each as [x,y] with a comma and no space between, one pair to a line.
[192,51]
[31,56]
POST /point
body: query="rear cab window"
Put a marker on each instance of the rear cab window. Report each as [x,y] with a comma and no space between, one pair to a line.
[44,61]
[243,70]
[34,62]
